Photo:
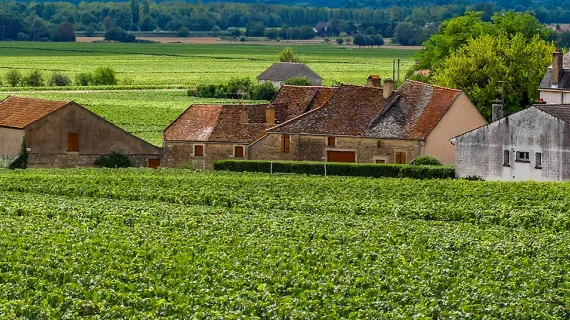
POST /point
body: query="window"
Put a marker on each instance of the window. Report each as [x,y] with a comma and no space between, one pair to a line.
[401,158]
[238,151]
[285,142]
[331,141]
[72,142]
[380,161]
[506,155]
[198,151]
[538,164]
[523,156]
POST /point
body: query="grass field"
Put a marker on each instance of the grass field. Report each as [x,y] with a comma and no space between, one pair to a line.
[179,244]
[187,65]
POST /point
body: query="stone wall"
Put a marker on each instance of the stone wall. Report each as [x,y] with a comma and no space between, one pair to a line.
[72,160]
[181,153]
[10,142]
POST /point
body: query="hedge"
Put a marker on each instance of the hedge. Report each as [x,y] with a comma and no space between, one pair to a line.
[337,169]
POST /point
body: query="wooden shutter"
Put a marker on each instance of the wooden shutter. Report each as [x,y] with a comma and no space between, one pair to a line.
[341,156]
[153,163]
[401,158]
[331,141]
[380,161]
[238,151]
[285,143]
[198,151]
[72,141]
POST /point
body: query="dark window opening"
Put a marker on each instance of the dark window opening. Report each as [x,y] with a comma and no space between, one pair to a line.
[72,142]
[238,151]
[523,156]
[198,151]
[538,164]
[506,156]
[331,141]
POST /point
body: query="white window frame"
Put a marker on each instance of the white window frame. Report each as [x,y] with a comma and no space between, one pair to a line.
[335,141]
[194,150]
[521,159]
[374,158]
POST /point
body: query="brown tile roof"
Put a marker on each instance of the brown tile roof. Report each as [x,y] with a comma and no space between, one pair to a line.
[219,123]
[296,100]
[19,112]
[349,111]
[414,112]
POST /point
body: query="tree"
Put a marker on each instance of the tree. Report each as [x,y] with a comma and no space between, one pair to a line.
[478,67]
[146,8]
[359,40]
[64,33]
[299,81]
[89,31]
[265,91]
[406,34]
[104,77]
[271,34]
[33,79]
[108,23]
[183,32]
[563,39]
[83,78]
[370,31]
[14,77]
[255,29]
[135,11]
[339,41]
[118,34]
[287,56]
[378,40]
[59,80]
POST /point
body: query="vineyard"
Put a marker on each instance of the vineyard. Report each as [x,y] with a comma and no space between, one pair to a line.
[182,244]
[190,65]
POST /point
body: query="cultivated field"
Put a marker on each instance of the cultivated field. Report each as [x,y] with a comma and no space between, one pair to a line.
[180,244]
[188,65]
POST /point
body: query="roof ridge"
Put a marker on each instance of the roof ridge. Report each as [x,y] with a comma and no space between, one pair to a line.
[36,99]
[432,85]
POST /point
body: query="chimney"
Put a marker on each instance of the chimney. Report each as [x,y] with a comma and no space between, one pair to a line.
[497,111]
[540,101]
[270,114]
[388,88]
[556,66]
[374,81]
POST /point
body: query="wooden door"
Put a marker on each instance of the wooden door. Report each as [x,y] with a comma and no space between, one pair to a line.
[153,163]
[341,156]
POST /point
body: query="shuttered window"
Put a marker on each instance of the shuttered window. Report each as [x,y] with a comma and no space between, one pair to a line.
[401,158]
[506,156]
[72,142]
[198,151]
[238,151]
[153,163]
[285,143]
[331,141]
[380,161]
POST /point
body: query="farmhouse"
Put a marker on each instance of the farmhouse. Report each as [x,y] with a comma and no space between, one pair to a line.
[279,72]
[372,124]
[64,134]
[532,144]
[555,85]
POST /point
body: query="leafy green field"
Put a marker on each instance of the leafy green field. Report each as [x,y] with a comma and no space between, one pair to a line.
[180,244]
[187,65]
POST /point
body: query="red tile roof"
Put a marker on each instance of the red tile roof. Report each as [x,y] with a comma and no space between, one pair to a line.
[19,112]
[414,112]
[300,99]
[349,111]
[219,123]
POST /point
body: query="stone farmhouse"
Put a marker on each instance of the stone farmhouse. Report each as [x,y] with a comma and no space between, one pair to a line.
[346,124]
[64,134]
[532,144]
[555,85]
[279,72]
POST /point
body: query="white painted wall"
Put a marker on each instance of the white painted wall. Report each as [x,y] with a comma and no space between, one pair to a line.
[555,97]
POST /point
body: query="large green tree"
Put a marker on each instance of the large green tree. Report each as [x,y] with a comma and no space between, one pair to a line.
[489,62]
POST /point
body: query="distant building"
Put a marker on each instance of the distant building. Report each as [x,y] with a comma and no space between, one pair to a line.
[555,85]
[64,134]
[559,27]
[279,72]
[532,144]
[323,28]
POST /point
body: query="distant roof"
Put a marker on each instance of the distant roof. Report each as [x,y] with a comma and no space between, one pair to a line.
[560,111]
[349,111]
[564,82]
[563,27]
[285,70]
[374,76]
[19,112]
[301,99]
[219,123]
[413,112]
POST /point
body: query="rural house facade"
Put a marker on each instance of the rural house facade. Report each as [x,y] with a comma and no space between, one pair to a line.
[555,85]
[64,134]
[279,72]
[532,144]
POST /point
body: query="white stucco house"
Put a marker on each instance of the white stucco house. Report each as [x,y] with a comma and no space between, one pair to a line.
[555,85]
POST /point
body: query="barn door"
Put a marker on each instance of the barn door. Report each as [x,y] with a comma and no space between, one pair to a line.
[341,156]
[153,163]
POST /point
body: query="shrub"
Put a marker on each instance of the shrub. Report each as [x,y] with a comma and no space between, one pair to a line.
[427,172]
[425,161]
[104,76]
[264,91]
[339,41]
[21,161]
[118,34]
[299,81]
[83,79]
[59,80]
[64,33]
[14,77]
[192,92]
[89,31]
[34,79]
[114,160]
[183,32]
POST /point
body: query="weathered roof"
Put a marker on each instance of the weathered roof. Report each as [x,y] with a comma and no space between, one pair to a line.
[300,99]
[564,82]
[285,70]
[349,111]
[560,111]
[414,112]
[19,112]
[219,123]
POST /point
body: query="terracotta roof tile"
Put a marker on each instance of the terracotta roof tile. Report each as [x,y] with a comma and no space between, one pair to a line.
[219,123]
[300,99]
[349,111]
[19,112]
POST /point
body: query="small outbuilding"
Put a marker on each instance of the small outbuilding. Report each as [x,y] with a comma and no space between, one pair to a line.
[279,72]
[64,134]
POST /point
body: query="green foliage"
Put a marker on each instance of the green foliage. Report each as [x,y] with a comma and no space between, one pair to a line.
[14,77]
[89,31]
[83,78]
[183,32]
[425,161]
[118,34]
[427,172]
[339,41]
[255,29]
[287,55]
[359,40]
[21,161]
[34,79]
[64,33]
[135,11]
[59,80]
[113,160]
[299,81]
[104,76]
[265,91]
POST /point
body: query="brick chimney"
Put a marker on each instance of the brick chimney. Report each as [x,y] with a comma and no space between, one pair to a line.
[270,114]
[374,81]
[556,66]
[497,111]
[388,88]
